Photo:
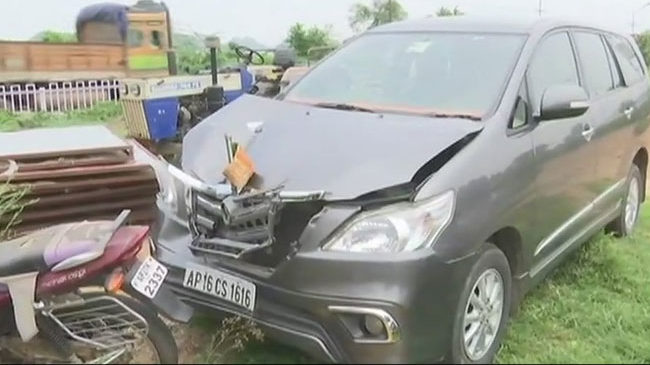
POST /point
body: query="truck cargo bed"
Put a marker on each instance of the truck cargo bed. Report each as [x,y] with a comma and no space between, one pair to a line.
[39,61]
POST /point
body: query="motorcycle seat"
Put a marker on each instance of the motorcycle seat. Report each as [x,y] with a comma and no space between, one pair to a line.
[38,251]
[58,247]
[22,255]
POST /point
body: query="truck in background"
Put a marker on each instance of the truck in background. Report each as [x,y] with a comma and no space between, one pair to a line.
[114,41]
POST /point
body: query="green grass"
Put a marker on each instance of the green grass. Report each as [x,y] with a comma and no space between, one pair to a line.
[107,112]
[595,308]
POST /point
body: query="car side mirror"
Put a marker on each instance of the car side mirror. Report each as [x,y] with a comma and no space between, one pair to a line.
[563,101]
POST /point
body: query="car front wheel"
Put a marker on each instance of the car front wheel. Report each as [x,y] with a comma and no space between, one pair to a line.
[482,313]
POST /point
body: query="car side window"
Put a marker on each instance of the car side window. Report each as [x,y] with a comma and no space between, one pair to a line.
[553,63]
[593,59]
[627,59]
[521,112]
[520,115]
[613,65]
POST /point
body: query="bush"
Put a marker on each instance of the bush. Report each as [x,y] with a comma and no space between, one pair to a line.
[643,40]
[232,337]
[100,113]
[11,206]
[50,36]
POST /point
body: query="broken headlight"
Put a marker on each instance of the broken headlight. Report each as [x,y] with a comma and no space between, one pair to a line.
[396,228]
[170,188]
[173,191]
[180,185]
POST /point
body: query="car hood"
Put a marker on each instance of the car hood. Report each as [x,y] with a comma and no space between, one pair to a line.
[304,148]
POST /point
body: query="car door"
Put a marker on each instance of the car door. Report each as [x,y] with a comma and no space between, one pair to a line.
[606,114]
[563,156]
[632,109]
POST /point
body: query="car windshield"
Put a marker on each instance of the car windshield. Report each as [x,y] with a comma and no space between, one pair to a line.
[436,73]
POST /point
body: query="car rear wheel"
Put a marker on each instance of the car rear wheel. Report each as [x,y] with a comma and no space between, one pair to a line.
[624,224]
[482,312]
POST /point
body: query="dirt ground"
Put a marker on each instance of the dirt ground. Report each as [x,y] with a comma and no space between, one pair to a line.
[189,340]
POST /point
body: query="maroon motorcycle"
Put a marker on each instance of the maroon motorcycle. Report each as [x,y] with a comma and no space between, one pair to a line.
[86,292]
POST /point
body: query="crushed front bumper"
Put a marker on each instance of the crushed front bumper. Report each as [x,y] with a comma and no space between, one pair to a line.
[299,302]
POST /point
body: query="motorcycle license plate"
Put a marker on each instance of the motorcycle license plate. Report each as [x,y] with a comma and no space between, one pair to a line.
[221,285]
[149,277]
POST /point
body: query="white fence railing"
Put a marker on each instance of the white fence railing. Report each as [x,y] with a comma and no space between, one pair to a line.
[55,97]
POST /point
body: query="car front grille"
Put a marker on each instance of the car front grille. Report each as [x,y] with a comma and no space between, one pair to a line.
[258,228]
[234,226]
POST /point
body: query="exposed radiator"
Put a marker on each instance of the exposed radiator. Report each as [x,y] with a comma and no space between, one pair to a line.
[136,120]
[235,226]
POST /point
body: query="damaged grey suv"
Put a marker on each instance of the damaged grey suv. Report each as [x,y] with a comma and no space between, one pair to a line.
[411,187]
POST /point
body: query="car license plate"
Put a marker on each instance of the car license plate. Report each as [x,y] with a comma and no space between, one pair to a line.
[221,285]
[149,277]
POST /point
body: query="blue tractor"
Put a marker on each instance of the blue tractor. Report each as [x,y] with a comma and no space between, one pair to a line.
[159,110]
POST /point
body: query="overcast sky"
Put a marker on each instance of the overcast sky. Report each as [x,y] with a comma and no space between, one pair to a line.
[268,20]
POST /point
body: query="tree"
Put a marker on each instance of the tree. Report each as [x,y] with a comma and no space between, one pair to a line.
[364,16]
[444,11]
[302,38]
[643,40]
[50,36]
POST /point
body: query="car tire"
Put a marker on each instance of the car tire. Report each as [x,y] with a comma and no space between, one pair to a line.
[624,224]
[472,322]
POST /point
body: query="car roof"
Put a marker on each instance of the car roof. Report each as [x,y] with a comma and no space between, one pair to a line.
[482,24]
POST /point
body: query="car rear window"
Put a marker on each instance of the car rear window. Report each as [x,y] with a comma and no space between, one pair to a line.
[627,59]
[595,65]
[616,72]
[420,72]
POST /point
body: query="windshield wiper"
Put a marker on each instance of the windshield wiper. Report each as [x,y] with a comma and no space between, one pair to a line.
[344,106]
[455,115]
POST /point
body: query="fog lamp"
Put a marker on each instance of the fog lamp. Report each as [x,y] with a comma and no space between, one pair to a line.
[373,325]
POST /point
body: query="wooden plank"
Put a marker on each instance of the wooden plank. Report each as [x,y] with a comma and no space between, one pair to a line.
[48,142]
[146,176]
[86,171]
[99,194]
[72,161]
[138,216]
[29,215]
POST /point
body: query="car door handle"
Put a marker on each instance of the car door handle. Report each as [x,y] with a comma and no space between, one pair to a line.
[587,132]
[628,112]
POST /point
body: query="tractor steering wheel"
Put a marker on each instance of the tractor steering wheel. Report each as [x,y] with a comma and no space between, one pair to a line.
[248,55]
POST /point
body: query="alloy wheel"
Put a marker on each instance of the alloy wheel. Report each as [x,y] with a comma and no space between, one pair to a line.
[632,205]
[483,314]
